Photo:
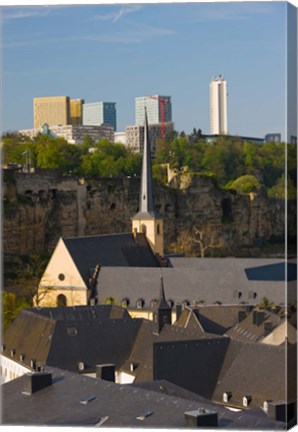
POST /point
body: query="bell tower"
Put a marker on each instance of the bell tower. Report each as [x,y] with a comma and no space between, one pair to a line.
[147,220]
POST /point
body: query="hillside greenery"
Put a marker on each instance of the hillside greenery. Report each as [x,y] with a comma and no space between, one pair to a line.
[234,164]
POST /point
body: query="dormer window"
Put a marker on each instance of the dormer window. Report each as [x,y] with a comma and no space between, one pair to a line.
[246,401]
[140,304]
[153,303]
[125,303]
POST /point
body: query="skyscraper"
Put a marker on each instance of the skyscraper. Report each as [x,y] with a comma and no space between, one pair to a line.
[98,113]
[76,111]
[218,106]
[51,110]
[159,109]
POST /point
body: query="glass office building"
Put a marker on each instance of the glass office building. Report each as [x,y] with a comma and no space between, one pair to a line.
[98,113]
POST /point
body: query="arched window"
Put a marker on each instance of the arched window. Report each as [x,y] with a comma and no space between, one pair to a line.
[158,230]
[61,300]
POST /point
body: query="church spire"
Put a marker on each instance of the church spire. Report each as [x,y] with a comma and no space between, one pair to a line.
[163,304]
[146,206]
[162,313]
[147,220]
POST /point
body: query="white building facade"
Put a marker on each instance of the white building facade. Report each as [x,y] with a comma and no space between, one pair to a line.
[218,106]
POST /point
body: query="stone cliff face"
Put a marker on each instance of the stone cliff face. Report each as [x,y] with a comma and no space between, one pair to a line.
[40,208]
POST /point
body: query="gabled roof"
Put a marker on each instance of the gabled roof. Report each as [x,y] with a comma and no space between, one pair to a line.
[188,284]
[212,318]
[142,351]
[262,371]
[114,250]
[83,313]
[112,404]
[65,338]
[272,272]
[250,330]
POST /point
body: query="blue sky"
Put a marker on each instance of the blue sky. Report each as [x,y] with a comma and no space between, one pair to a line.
[115,53]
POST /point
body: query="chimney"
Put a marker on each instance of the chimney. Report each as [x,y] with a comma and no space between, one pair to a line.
[258,317]
[281,411]
[36,381]
[200,418]
[268,327]
[106,372]
[241,316]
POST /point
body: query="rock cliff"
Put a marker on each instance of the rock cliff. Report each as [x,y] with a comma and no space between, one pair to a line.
[39,208]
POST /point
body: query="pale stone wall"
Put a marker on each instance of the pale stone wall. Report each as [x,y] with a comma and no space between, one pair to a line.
[10,369]
[154,233]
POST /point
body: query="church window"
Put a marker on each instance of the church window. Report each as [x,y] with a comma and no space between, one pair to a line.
[158,230]
[61,277]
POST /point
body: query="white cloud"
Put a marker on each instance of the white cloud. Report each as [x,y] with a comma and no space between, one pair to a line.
[118,14]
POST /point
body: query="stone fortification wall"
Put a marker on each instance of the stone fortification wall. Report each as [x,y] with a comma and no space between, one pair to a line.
[39,208]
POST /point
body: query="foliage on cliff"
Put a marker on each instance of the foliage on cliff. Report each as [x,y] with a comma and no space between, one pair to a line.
[226,159]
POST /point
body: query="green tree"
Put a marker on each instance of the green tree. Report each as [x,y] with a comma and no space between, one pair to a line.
[280,191]
[245,184]
[11,307]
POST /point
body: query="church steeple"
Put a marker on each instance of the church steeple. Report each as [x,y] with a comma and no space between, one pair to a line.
[147,220]
[146,191]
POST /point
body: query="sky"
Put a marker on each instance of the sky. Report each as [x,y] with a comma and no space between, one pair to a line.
[115,53]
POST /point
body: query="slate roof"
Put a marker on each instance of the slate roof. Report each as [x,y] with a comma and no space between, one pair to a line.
[115,405]
[83,313]
[121,250]
[191,284]
[246,330]
[71,336]
[258,370]
[272,272]
[142,351]
[212,319]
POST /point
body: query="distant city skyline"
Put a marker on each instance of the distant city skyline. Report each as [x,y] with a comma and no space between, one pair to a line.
[119,52]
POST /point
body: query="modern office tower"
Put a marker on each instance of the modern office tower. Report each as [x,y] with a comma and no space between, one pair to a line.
[52,110]
[76,111]
[159,109]
[218,106]
[98,113]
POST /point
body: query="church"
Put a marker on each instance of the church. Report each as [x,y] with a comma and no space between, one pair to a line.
[125,269]
[70,278]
